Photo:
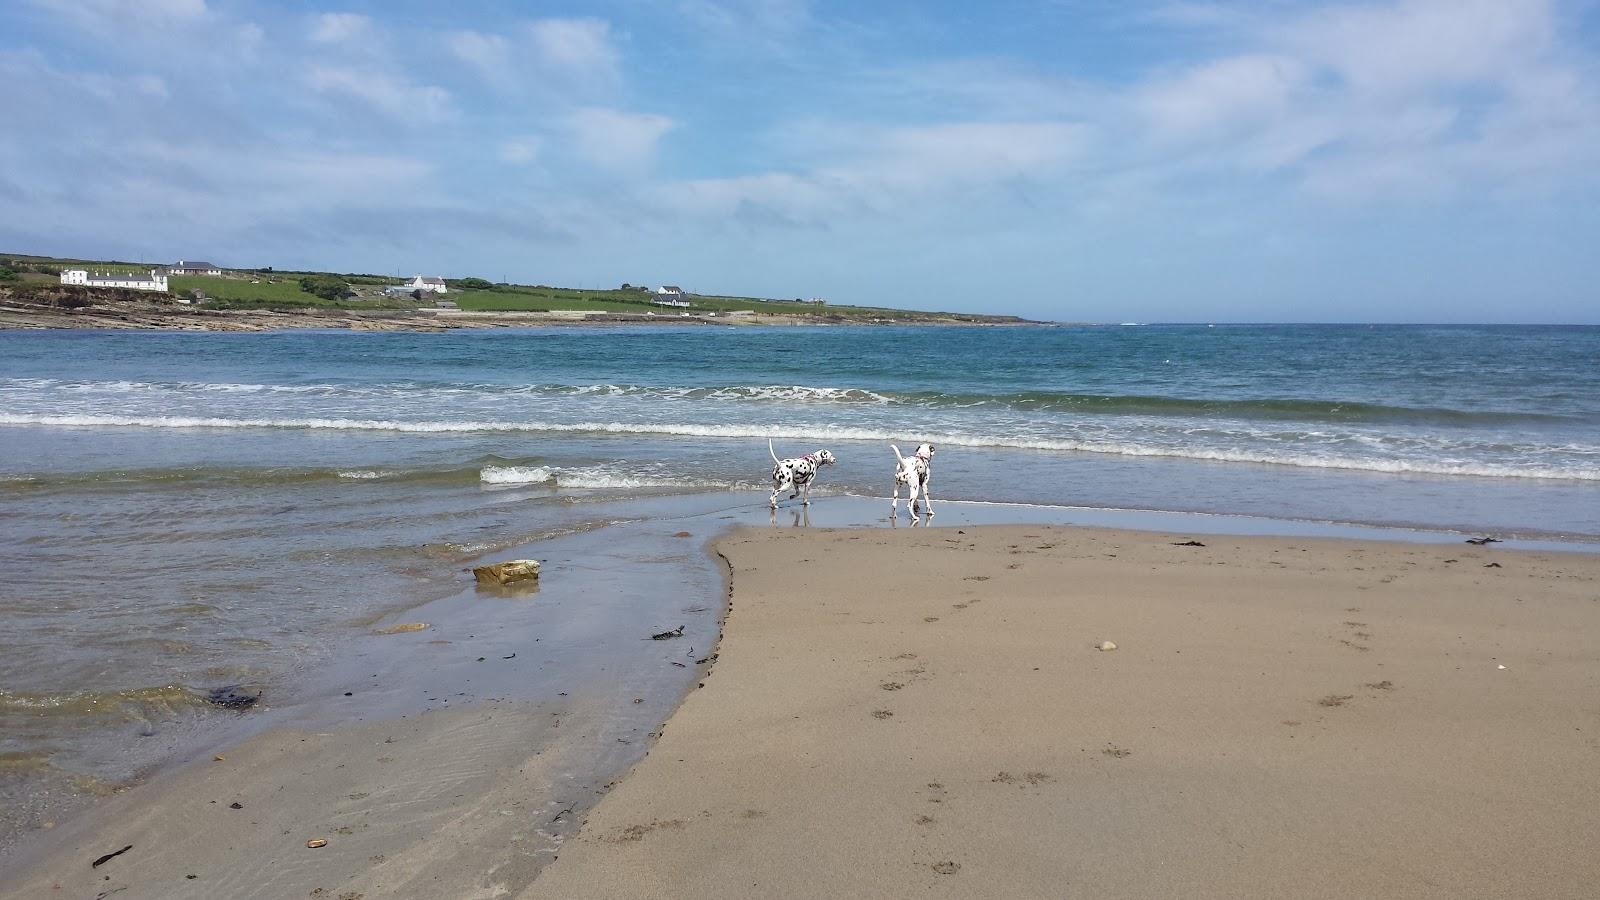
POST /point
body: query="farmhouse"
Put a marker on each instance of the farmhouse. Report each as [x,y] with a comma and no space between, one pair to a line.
[427,283]
[183,267]
[156,281]
[670,300]
[670,290]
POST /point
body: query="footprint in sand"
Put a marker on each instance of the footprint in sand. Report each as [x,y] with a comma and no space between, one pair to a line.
[1031,778]
[882,714]
[947,867]
[1333,700]
[891,685]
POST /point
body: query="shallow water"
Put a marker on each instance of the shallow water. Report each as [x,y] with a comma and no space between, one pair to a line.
[180,512]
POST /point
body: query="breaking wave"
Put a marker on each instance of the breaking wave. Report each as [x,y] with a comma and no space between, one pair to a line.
[1179,450]
[1097,404]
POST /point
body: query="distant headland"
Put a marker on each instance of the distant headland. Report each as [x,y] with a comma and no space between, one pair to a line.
[54,292]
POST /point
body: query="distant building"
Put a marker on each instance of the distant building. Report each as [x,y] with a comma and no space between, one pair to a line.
[445,304]
[428,283]
[183,267]
[155,282]
[670,290]
[668,300]
[818,301]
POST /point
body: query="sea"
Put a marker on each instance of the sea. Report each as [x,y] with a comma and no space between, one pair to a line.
[187,512]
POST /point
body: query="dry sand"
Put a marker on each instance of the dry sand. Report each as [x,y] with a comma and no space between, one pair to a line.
[923,712]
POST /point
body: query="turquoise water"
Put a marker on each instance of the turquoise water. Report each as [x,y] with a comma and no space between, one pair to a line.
[182,511]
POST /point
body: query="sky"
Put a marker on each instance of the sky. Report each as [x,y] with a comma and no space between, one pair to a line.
[1074,160]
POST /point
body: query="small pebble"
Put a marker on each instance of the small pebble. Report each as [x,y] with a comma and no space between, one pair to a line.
[314,843]
[1105,645]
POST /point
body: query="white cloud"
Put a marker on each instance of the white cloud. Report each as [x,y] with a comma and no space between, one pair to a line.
[757,24]
[383,92]
[581,45]
[888,170]
[617,140]
[488,53]
[108,16]
[1222,93]
[521,151]
[339,28]
[1415,44]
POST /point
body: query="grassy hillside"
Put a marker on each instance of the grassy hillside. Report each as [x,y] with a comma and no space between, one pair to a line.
[281,290]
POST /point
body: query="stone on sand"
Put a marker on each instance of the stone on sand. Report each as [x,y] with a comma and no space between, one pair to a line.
[508,572]
[1105,645]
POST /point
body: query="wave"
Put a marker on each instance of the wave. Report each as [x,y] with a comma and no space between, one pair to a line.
[1279,408]
[228,475]
[515,475]
[598,478]
[846,433]
[132,703]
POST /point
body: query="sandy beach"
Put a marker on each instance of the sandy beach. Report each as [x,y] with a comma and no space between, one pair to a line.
[925,712]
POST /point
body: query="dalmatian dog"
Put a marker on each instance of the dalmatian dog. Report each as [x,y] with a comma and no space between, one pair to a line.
[795,475]
[913,471]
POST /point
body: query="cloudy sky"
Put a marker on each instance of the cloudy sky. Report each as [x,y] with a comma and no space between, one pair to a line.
[1386,160]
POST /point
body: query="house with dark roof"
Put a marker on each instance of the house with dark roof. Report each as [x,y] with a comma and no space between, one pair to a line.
[671,289]
[184,267]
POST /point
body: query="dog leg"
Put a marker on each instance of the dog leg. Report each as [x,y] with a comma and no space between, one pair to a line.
[927,495]
[894,501]
[807,491]
[773,502]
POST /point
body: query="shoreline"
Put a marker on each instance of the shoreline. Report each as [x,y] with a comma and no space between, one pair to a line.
[1280,717]
[301,748]
[152,316]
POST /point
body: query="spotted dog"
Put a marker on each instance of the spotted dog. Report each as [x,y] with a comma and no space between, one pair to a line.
[913,471]
[795,475]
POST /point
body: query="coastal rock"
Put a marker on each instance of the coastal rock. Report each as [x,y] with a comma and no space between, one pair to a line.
[508,572]
[1105,645]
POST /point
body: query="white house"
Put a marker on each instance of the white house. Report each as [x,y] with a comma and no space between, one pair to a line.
[427,283]
[670,290]
[182,267]
[670,300]
[156,281]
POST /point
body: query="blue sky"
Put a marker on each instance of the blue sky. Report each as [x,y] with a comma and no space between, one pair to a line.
[1404,160]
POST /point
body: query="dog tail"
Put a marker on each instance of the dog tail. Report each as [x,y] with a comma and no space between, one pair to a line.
[774,453]
[897,453]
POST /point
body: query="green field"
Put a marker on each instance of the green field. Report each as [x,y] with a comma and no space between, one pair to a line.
[281,290]
[513,298]
[272,292]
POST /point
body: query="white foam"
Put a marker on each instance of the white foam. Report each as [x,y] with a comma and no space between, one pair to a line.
[514,475]
[824,433]
[362,476]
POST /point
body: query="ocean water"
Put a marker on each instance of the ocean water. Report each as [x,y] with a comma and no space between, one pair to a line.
[184,511]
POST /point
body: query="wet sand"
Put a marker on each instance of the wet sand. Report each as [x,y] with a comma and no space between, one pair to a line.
[924,712]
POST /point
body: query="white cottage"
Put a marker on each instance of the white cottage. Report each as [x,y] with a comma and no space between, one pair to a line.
[427,283]
[155,282]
